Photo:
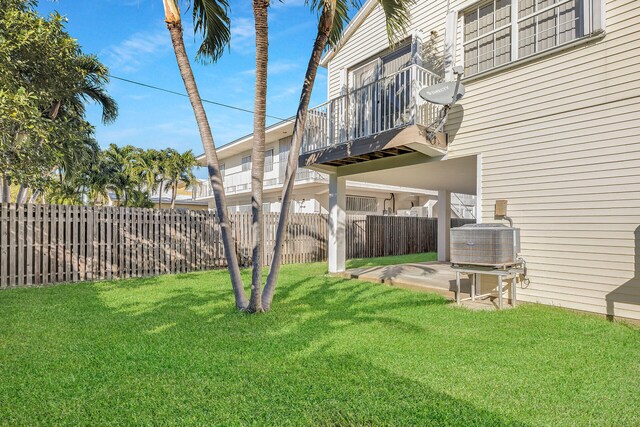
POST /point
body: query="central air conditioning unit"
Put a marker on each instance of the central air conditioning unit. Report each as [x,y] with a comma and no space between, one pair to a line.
[491,245]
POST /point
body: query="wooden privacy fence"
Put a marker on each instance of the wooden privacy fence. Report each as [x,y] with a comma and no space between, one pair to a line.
[41,244]
[375,236]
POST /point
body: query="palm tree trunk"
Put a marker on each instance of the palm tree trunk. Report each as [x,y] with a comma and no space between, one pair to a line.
[324,28]
[160,189]
[174,191]
[215,177]
[260,13]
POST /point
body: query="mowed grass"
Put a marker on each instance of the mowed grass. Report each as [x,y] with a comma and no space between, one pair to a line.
[392,260]
[172,350]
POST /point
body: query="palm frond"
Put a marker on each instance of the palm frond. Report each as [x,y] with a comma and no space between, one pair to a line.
[211,20]
[397,17]
[100,96]
[93,88]
[397,14]
[341,20]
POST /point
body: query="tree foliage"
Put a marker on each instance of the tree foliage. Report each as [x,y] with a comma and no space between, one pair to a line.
[45,83]
[127,174]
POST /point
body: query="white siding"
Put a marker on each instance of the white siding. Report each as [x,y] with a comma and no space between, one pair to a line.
[560,139]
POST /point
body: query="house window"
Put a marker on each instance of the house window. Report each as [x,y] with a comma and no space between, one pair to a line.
[501,31]
[543,24]
[222,169]
[362,204]
[487,35]
[268,160]
[244,208]
[246,163]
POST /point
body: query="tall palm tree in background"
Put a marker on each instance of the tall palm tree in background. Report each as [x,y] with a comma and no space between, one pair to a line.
[179,170]
[334,15]
[149,166]
[97,182]
[123,177]
[211,19]
[260,13]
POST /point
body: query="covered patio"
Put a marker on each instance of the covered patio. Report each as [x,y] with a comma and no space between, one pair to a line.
[415,170]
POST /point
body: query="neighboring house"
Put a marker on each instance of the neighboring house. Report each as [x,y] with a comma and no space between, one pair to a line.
[182,202]
[311,190]
[550,122]
[184,198]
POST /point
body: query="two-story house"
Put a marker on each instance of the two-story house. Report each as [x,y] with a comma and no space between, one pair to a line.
[550,122]
[311,189]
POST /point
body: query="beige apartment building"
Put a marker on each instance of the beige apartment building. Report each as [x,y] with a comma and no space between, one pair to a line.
[550,122]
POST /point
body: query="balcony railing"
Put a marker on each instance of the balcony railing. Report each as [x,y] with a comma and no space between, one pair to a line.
[382,105]
[204,190]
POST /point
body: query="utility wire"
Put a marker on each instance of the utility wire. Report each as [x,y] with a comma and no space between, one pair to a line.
[220,104]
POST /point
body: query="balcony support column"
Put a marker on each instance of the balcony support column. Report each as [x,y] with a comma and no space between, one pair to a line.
[337,222]
[444,224]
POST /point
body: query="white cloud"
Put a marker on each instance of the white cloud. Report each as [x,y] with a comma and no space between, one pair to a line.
[286,92]
[134,52]
[242,35]
[279,67]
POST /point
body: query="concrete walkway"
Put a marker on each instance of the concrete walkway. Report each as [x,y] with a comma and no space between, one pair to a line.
[431,276]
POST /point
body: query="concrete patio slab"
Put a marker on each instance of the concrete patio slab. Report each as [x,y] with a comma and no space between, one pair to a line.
[431,276]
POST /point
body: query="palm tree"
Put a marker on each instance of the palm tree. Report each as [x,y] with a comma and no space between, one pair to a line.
[123,178]
[93,88]
[140,199]
[75,158]
[260,13]
[163,164]
[148,166]
[179,170]
[210,18]
[97,184]
[334,15]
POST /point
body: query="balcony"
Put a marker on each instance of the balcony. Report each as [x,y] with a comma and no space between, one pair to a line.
[204,190]
[384,118]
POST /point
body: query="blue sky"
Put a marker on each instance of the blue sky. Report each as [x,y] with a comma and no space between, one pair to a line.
[130,37]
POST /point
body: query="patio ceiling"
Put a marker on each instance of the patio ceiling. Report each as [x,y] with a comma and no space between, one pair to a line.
[419,171]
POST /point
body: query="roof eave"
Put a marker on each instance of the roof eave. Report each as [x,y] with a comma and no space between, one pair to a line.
[348,32]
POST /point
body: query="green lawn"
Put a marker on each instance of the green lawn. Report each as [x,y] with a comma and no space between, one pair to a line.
[391,260]
[172,350]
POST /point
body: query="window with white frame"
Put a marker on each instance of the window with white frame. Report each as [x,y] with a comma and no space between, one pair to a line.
[268,160]
[487,35]
[222,169]
[246,163]
[501,31]
[543,24]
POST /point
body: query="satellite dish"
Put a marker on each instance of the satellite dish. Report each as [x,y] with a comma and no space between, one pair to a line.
[442,93]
